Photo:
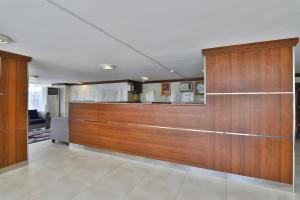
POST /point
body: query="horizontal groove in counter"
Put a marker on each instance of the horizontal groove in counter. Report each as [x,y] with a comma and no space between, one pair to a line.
[14,94]
[239,93]
[95,121]
[16,129]
[186,129]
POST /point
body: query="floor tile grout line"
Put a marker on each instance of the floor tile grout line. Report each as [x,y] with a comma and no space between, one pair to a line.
[179,186]
[226,188]
[140,181]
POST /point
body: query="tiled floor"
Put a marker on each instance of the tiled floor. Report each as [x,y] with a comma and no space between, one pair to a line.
[58,172]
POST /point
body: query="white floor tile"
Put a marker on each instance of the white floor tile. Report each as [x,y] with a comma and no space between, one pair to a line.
[57,171]
[243,191]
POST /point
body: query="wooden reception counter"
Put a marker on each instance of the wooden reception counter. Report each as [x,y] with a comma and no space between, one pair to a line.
[245,128]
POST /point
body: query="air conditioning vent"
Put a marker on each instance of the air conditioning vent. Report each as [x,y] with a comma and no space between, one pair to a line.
[186,87]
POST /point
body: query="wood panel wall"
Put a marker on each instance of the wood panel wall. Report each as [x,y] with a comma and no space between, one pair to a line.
[245,128]
[13,108]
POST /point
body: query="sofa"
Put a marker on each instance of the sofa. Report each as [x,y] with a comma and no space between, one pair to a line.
[38,119]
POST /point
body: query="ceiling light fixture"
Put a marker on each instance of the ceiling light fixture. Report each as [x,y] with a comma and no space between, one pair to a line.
[105,32]
[144,78]
[172,71]
[107,66]
[34,76]
[4,39]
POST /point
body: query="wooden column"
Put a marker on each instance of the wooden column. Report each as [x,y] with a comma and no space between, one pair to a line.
[13,108]
[255,83]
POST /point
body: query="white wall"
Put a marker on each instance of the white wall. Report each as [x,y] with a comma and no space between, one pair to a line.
[37,97]
[119,92]
[100,92]
[152,92]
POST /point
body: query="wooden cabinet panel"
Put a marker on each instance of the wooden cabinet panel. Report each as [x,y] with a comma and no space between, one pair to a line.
[273,156]
[145,114]
[158,115]
[3,76]
[8,77]
[177,146]
[84,111]
[252,114]
[13,111]
[14,146]
[122,127]
[267,158]
[261,115]
[14,77]
[9,138]
[264,70]
[2,113]
[21,145]
[83,132]
[13,108]
[21,78]
[1,148]
[21,112]
[220,154]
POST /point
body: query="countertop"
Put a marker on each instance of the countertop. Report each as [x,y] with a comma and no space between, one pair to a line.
[143,103]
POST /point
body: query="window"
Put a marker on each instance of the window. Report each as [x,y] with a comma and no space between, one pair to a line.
[35,97]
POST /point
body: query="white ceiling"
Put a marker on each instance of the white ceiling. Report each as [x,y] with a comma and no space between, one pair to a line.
[173,32]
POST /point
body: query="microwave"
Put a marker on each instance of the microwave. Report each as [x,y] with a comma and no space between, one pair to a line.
[185,86]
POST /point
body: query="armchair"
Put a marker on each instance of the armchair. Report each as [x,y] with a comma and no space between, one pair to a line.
[60,129]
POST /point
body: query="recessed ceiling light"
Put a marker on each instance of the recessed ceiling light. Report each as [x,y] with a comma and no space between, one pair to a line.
[172,71]
[144,78]
[79,83]
[4,39]
[107,66]
[34,76]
